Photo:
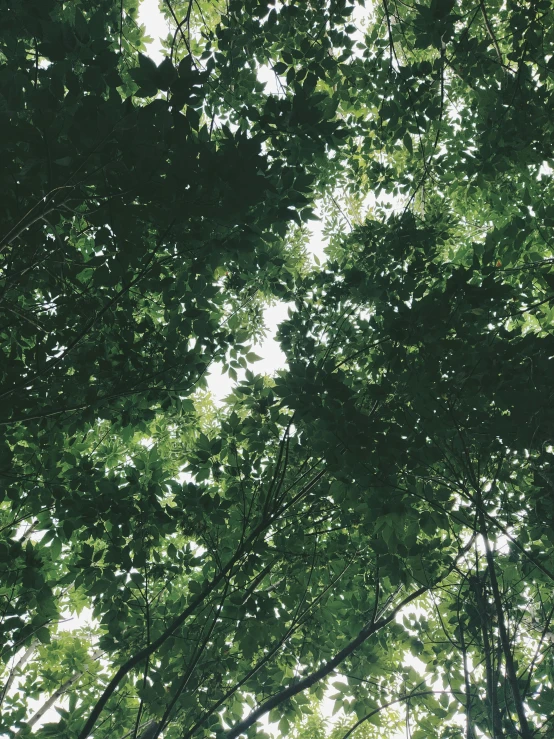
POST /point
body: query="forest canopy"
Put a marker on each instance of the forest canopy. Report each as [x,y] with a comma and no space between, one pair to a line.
[361,544]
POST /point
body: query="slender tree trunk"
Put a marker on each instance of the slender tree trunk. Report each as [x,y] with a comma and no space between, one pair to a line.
[16,669]
[58,693]
[469,723]
[526,732]
[491,679]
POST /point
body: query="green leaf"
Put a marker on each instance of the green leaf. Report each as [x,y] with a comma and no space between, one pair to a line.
[43,635]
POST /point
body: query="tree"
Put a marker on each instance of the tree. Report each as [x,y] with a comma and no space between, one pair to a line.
[372,526]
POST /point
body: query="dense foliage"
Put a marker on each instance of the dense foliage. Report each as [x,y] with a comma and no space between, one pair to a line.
[369,533]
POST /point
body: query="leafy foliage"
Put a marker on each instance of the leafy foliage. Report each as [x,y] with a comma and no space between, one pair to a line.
[371,528]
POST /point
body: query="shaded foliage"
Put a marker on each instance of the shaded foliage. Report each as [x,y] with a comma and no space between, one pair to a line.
[372,526]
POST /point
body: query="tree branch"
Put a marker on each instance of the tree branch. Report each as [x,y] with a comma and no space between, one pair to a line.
[64,687]
[323,671]
[25,657]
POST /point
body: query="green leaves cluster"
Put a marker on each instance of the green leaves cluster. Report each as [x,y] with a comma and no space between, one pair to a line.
[371,527]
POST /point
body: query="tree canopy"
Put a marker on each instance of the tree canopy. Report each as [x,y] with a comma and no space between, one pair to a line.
[362,544]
